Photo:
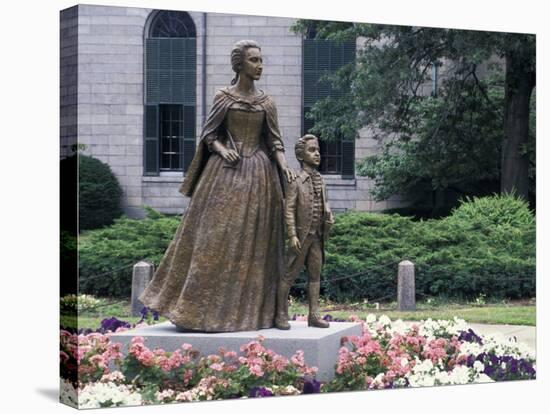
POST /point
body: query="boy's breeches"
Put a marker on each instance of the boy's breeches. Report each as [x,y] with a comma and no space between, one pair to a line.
[311,255]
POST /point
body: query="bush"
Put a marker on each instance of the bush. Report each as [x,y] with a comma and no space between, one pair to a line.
[106,256]
[99,193]
[485,247]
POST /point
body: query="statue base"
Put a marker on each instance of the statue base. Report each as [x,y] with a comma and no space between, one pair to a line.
[320,346]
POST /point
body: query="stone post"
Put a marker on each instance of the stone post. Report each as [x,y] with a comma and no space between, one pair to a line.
[141,276]
[406,298]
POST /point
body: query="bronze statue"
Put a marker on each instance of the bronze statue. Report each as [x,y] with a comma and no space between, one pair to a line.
[308,219]
[220,271]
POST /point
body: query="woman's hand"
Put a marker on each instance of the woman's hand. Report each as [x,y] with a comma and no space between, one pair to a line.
[290,175]
[295,244]
[231,156]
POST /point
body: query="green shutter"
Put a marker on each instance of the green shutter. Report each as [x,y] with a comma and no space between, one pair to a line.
[152,82]
[189,139]
[170,72]
[151,147]
[319,57]
[308,123]
[348,159]
[170,78]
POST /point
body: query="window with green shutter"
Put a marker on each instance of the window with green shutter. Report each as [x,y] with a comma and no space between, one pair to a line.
[320,57]
[170,92]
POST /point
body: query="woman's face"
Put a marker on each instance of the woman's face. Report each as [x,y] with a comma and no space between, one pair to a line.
[252,65]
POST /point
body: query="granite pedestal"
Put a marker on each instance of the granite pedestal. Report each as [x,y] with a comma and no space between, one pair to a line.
[320,345]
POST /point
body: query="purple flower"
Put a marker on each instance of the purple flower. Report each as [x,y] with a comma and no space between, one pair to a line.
[257,392]
[312,387]
[112,324]
[327,317]
[470,336]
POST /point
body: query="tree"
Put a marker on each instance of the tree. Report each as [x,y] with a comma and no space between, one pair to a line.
[473,130]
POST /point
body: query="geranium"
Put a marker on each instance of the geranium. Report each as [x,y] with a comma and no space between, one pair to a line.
[86,358]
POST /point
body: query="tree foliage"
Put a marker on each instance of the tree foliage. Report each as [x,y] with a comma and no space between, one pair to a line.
[449,138]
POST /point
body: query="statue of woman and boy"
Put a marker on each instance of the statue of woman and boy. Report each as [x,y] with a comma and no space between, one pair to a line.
[225,268]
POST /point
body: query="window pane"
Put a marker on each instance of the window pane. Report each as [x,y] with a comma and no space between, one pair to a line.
[164,161]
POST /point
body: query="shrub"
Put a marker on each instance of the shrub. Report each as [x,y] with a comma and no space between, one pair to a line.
[485,247]
[99,193]
[106,256]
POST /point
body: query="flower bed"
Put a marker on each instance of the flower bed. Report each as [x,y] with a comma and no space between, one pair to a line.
[386,355]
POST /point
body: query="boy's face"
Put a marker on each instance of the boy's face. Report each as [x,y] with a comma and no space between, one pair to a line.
[312,156]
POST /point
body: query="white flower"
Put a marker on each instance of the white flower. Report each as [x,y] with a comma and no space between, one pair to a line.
[459,375]
[371,318]
[67,393]
[115,376]
[164,395]
[478,366]
[423,366]
[384,320]
[282,390]
[442,377]
[98,395]
[404,362]
[399,327]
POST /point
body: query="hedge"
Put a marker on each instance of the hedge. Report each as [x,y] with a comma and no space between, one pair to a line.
[486,246]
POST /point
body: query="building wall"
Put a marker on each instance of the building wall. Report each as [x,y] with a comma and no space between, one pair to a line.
[68,54]
[110,97]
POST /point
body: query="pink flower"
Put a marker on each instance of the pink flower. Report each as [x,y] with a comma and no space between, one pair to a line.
[187,375]
[213,358]
[147,358]
[164,363]
[97,360]
[217,366]
[137,340]
[230,354]
[280,363]
[187,347]
[256,370]
[298,358]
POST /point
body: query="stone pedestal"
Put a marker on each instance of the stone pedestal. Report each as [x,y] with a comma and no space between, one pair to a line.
[406,293]
[320,345]
[141,276]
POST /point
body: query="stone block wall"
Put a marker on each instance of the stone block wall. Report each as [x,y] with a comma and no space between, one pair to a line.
[68,23]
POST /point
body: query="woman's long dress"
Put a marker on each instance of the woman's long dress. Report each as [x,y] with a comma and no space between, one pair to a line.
[221,270]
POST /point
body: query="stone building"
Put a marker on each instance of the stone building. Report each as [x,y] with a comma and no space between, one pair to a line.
[137,84]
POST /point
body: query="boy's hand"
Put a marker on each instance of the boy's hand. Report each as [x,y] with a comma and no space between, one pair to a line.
[295,244]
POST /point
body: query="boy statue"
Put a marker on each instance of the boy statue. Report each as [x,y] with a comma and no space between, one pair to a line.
[308,220]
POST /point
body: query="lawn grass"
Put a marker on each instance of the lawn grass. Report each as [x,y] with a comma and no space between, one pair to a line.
[523,313]
[497,314]
[91,319]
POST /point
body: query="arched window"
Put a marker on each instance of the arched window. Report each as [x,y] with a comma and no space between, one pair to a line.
[170,92]
[320,57]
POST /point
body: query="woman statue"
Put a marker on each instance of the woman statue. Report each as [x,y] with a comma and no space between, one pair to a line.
[220,272]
